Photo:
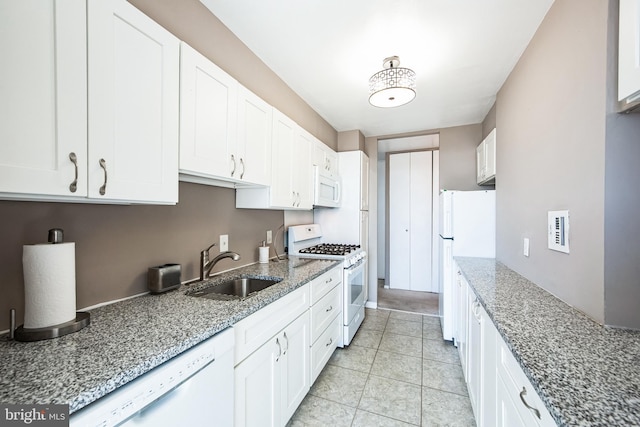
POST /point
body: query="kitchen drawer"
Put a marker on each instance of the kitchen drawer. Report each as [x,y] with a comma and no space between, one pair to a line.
[323,284]
[324,347]
[255,330]
[519,388]
[324,311]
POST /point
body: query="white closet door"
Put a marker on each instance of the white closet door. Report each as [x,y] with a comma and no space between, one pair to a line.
[399,221]
[421,221]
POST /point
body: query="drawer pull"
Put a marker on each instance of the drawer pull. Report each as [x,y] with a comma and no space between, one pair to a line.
[103,165]
[330,342]
[287,347]
[330,280]
[329,309]
[233,160]
[73,187]
[523,393]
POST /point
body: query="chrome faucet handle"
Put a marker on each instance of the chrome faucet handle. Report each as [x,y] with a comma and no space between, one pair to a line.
[205,253]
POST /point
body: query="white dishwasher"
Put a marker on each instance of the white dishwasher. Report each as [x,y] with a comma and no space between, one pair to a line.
[193,389]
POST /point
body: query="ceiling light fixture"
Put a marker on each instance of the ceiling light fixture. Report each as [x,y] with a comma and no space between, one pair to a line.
[392,86]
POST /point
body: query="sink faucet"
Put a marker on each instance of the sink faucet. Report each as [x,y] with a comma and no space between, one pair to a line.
[206,265]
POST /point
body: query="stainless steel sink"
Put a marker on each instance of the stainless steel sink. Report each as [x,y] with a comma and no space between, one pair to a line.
[239,288]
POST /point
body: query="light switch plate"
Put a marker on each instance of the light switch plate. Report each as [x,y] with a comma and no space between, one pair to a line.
[224,242]
[558,238]
[525,249]
[269,237]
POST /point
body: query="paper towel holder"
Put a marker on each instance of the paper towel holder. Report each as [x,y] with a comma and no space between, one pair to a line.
[37,334]
[82,319]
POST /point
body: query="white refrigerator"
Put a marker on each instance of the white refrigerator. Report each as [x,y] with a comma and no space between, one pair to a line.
[467,229]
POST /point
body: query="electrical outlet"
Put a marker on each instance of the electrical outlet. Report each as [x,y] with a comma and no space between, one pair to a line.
[224,242]
[269,237]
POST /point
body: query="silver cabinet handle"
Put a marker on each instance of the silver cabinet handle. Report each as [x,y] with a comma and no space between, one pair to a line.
[329,309]
[523,393]
[103,165]
[287,346]
[233,159]
[293,193]
[73,187]
[279,349]
[330,342]
[242,163]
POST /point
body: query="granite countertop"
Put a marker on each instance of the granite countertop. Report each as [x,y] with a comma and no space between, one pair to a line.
[587,374]
[128,338]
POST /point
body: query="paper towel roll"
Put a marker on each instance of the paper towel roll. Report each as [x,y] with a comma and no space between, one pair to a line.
[263,254]
[49,284]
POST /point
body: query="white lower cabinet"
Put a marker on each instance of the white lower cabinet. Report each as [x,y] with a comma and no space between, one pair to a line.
[516,397]
[500,393]
[326,318]
[272,361]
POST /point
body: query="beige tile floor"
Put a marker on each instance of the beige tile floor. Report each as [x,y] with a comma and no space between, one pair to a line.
[398,371]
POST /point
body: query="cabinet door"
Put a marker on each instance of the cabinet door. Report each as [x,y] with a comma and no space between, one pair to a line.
[255,121]
[282,194]
[628,48]
[257,387]
[490,155]
[480,163]
[488,372]
[364,182]
[43,106]
[296,370]
[133,69]
[475,355]
[208,117]
[507,412]
[302,170]
[462,323]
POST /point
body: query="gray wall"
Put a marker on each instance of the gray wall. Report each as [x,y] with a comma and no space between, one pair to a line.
[622,202]
[458,157]
[116,244]
[550,116]
[193,23]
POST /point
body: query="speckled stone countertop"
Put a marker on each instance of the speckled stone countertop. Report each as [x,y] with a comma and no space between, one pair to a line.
[128,338]
[587,374]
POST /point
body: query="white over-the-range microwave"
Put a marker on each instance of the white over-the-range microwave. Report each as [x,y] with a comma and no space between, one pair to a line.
[326,189]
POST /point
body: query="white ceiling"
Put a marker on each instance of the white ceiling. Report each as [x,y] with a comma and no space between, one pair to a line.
[326,50]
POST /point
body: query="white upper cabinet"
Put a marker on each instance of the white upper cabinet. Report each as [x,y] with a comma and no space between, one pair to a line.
[43,107]
[486,160]
[628,48]
[225,129]
[302,171]
[255,121]
[133,105]
[291,170]
[208,118]
[96,128]
[324,157]
[284,139]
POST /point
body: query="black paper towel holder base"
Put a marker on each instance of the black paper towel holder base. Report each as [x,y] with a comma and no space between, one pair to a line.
[82,319]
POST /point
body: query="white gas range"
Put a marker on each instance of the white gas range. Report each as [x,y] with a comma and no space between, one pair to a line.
[306,241]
